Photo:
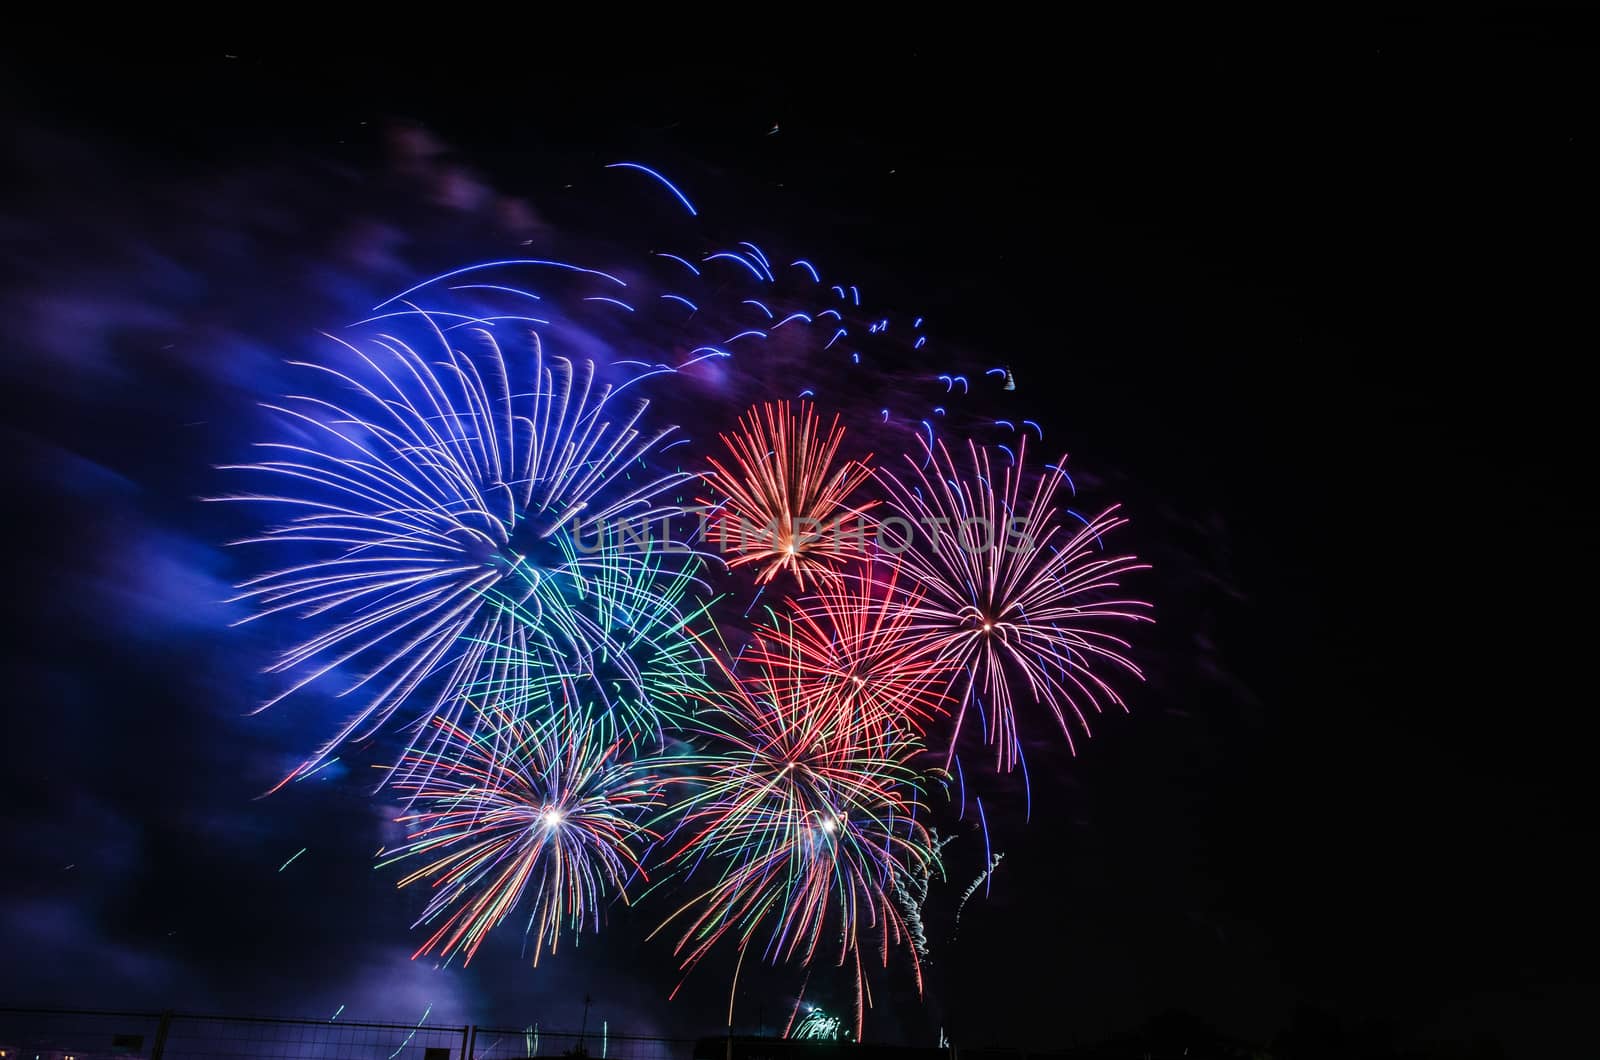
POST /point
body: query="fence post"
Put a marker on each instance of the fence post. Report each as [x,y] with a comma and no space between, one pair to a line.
[161,1035]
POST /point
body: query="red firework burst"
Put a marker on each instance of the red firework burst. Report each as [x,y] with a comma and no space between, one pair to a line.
[787,496]
[852,647]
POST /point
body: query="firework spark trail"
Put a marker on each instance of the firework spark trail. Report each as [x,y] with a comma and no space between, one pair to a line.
[435,491]
[1008,590]
[912,898]
[520,807]
[787,501]
[972,888]
[401,1047]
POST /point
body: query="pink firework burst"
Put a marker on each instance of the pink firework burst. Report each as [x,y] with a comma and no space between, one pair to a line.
[1014,588]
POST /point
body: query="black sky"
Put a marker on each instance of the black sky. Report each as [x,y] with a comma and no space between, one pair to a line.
[1314,301]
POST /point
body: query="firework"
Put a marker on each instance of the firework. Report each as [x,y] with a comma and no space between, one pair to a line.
[911,891]
[459,531]
[439,502]
[523,807]
[1009,592]
[817,1026]
[787,503]
[982,880]
[850,647]
[804,825]
[649,667]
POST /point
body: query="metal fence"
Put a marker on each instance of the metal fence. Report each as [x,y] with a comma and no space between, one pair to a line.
[60,1034]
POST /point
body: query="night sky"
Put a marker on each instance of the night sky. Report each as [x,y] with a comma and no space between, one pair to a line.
[1316,312]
